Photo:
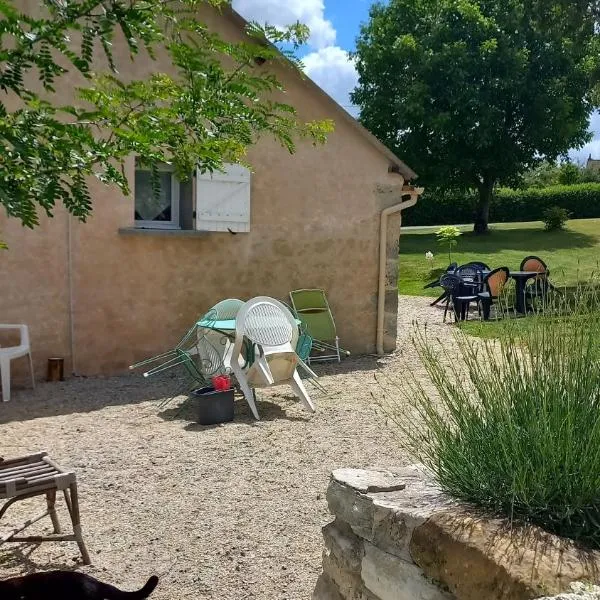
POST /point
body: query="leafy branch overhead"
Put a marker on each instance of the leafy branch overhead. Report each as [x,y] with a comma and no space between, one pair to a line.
[206,101]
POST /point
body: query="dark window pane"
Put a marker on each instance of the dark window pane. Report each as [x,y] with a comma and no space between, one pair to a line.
[148,207]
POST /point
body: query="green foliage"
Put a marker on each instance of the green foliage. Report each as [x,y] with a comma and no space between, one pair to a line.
[437,207]
[475,92]
[555,218]
[515,425]
[569,174]
[448,236]
[212,105]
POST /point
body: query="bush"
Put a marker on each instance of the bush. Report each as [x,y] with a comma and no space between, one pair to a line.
[446,207]
[555,218]
[515,428]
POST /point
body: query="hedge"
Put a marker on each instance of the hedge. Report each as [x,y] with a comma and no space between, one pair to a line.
[448,208]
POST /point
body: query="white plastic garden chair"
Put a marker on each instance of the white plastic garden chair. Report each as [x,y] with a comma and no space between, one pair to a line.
[12,352]
[272,330]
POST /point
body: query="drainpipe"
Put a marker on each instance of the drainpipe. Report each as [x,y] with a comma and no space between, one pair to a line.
[71,292]
[413,194]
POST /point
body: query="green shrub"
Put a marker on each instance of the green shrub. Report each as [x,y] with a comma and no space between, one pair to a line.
[446,207]
[515,425]
[555,218]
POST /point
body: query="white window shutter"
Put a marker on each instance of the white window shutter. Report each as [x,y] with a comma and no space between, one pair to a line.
[223,200]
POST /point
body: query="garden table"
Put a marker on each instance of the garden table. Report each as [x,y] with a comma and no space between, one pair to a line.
[521,278]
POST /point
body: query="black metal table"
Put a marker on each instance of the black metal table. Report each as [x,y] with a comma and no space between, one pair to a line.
[521,278]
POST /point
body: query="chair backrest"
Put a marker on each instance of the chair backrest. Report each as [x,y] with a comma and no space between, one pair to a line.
[312,308]
[480,266]
[227,309]
[267,322]
[534,263]
[23,335]
[496,280]
[450,283]
[467,272]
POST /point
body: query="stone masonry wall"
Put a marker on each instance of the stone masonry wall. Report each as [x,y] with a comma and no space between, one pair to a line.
[396,536]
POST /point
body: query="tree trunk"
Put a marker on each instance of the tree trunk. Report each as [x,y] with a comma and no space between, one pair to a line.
[482,210]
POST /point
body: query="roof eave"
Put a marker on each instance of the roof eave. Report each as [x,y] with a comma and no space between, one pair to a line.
[400,165]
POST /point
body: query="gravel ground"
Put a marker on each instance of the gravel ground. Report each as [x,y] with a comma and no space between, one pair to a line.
[228,512]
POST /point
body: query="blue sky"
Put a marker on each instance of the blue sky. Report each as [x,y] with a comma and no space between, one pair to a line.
[334,25]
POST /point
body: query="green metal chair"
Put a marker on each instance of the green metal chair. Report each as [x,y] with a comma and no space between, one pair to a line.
[312,309]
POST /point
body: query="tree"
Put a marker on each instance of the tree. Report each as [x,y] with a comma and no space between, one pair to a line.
[569,174]
[203,114]
[474,92]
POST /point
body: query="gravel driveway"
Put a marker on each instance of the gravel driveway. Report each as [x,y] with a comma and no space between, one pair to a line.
[228,512]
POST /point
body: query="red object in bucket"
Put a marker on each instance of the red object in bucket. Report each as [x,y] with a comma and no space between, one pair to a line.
[221,383]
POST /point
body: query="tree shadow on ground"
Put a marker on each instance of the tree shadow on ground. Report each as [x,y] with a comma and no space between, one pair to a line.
[528,240]
[87,394]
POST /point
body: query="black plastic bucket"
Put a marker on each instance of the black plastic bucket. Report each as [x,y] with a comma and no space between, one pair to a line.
[214,406]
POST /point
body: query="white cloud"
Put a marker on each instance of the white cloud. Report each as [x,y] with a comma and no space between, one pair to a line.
[286,12]
[333,70]
[328,65]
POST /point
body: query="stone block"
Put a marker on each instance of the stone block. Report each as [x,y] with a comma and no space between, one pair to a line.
[344,545]
[391,578]
[480,557]
[326,589]
[384,507]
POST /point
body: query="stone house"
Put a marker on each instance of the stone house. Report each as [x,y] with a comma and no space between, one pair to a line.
[129,282]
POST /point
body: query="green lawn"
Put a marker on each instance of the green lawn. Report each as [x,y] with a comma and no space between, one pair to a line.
[572,255]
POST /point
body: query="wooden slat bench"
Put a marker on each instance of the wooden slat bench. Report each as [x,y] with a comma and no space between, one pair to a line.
[38,475]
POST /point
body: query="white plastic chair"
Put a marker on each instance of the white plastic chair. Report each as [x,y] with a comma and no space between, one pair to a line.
[12,352]
[272,330]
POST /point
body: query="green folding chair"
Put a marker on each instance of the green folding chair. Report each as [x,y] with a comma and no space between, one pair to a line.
[312,309]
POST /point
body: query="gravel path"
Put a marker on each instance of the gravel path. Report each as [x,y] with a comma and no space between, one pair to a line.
[230,512]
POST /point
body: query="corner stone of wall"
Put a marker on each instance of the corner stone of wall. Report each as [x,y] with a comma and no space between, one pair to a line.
[397,536]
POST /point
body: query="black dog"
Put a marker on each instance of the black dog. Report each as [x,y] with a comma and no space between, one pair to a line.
[67,585]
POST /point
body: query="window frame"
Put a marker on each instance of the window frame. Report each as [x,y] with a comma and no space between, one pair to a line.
[174,223]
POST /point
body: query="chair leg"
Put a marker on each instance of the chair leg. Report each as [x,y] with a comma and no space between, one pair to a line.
[31,370]
[51,503]
[438,299]
[337,348]
[73,502]
[301,392]
[249,395]
[486,304]
[5,375]
[243,383]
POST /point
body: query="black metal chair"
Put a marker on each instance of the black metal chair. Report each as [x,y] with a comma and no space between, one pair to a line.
[470,285]
[493,284]
[437,283]
[539,286]
[481,266]
[451,285]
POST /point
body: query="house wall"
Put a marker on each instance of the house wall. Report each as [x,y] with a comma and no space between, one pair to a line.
[314,223]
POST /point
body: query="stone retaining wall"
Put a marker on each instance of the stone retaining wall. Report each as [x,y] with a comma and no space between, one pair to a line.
[396,536]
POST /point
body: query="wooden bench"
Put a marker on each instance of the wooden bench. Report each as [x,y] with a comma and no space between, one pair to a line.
[38,475]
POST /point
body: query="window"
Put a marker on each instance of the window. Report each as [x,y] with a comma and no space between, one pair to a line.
[218,201]
[157,212]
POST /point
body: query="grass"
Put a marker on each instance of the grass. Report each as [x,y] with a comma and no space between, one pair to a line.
[515,426]
[572,255]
